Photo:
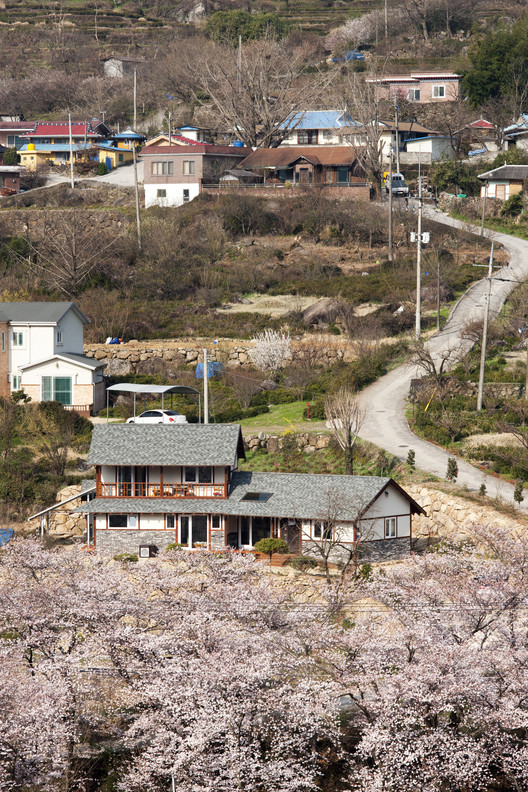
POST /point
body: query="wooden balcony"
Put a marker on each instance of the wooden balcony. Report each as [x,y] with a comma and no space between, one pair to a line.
[116,489]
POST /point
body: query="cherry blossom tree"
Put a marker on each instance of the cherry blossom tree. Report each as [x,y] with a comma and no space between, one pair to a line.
[270,349]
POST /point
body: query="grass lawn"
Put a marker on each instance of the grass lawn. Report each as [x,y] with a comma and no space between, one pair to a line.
[282,417]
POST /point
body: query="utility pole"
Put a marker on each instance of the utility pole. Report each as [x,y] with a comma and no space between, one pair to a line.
[396,133]
[239,61]
[485,335]
[386,22]
[418,324]
[484,209]
[134,158]
[390,210]
[170,127]
[438,293]
[206,386]
[71,150]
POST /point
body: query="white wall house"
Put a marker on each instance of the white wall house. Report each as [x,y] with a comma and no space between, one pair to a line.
[503,182]
[158,485]
[427,150]
[41,353]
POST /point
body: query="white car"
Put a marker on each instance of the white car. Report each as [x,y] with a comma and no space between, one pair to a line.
[158,417]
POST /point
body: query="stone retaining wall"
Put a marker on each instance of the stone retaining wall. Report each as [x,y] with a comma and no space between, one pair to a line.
[168,356]
[309,443]
[63,521]
[453,517]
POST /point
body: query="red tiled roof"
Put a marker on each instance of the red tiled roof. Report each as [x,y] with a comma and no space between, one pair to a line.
[197,148]
[481,124]
[61,130]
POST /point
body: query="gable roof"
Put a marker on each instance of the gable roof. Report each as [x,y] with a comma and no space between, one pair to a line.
[69,357]
[38,312]
[181,444]
[506,172]
[284,156]
[296,495]
[407,126]
[16,126]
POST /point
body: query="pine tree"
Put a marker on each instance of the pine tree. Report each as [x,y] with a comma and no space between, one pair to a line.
[411,460]
[452,469]
[518,496]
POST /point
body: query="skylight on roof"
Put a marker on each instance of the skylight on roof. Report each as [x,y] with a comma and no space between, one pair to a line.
[261,497]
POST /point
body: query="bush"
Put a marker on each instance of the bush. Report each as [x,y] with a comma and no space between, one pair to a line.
[513,206]
[270,546]
[102,170]
[317,411]
[303,563]
[175,546]
[10,156]
[129,558]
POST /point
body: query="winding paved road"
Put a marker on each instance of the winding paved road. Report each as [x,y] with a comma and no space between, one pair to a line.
[386,425]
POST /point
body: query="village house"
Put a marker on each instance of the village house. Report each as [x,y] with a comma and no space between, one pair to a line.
[158,485]
[50,142]
[10,179]
[315,128]
[332,166]
[11,133]
[119,149]
[41,353]
[174,175]
[418,87]
[120,66]
[503,182]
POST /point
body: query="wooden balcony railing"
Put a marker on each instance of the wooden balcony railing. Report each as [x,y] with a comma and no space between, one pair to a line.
[116,489]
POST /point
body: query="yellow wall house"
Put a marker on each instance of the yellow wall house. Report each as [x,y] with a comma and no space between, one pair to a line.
[50,143]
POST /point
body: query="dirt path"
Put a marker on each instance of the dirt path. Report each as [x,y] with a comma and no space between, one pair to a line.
[386,424]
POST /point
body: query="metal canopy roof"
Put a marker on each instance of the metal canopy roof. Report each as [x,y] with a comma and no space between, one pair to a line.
[162,390]
[133,387]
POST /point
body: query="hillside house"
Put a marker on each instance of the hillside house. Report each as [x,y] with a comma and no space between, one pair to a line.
[10,179]
[41,353]
[11,133]
[503,182]
[418,87]
[305,165]
[174,175]
[50,142]
[158,485]
[119,66]
[315,128]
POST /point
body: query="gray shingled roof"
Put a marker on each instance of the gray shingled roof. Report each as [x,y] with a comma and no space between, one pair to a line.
[35,312]
[506,172]
[297,495]
[163,444]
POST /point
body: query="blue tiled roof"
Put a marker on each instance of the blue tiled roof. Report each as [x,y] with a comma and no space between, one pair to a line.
[53,147]
[318,119]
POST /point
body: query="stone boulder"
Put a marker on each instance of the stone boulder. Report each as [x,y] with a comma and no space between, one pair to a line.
[118,367]
[322,312]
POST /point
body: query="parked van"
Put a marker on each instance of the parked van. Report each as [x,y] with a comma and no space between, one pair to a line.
[399,187]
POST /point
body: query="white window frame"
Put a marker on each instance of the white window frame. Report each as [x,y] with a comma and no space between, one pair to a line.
[132,522]
[60,338]
[413,95]
[186,196]
[438,91]
[188,167]
[391,528]
[161,193]
[18,339]
[162,168]
[17,382]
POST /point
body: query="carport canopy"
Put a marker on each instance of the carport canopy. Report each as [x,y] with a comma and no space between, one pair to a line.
[160,390]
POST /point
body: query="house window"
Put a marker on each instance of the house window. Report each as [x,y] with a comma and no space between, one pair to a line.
[17,382]
[342,175]
[161,193]
[205,475]
[186,196]
[59,338]
[57,389]
[413,95]
[307,137]
[162,168]
[193,529]
[188,167]
[322,530]
[189,474]
[3,341]
[216,521]
[120,157]
[170,521]
[122,521]
[390,527]
[438,92]
[18,339]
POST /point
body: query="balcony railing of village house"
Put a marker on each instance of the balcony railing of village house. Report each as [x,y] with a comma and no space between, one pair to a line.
[126,489]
